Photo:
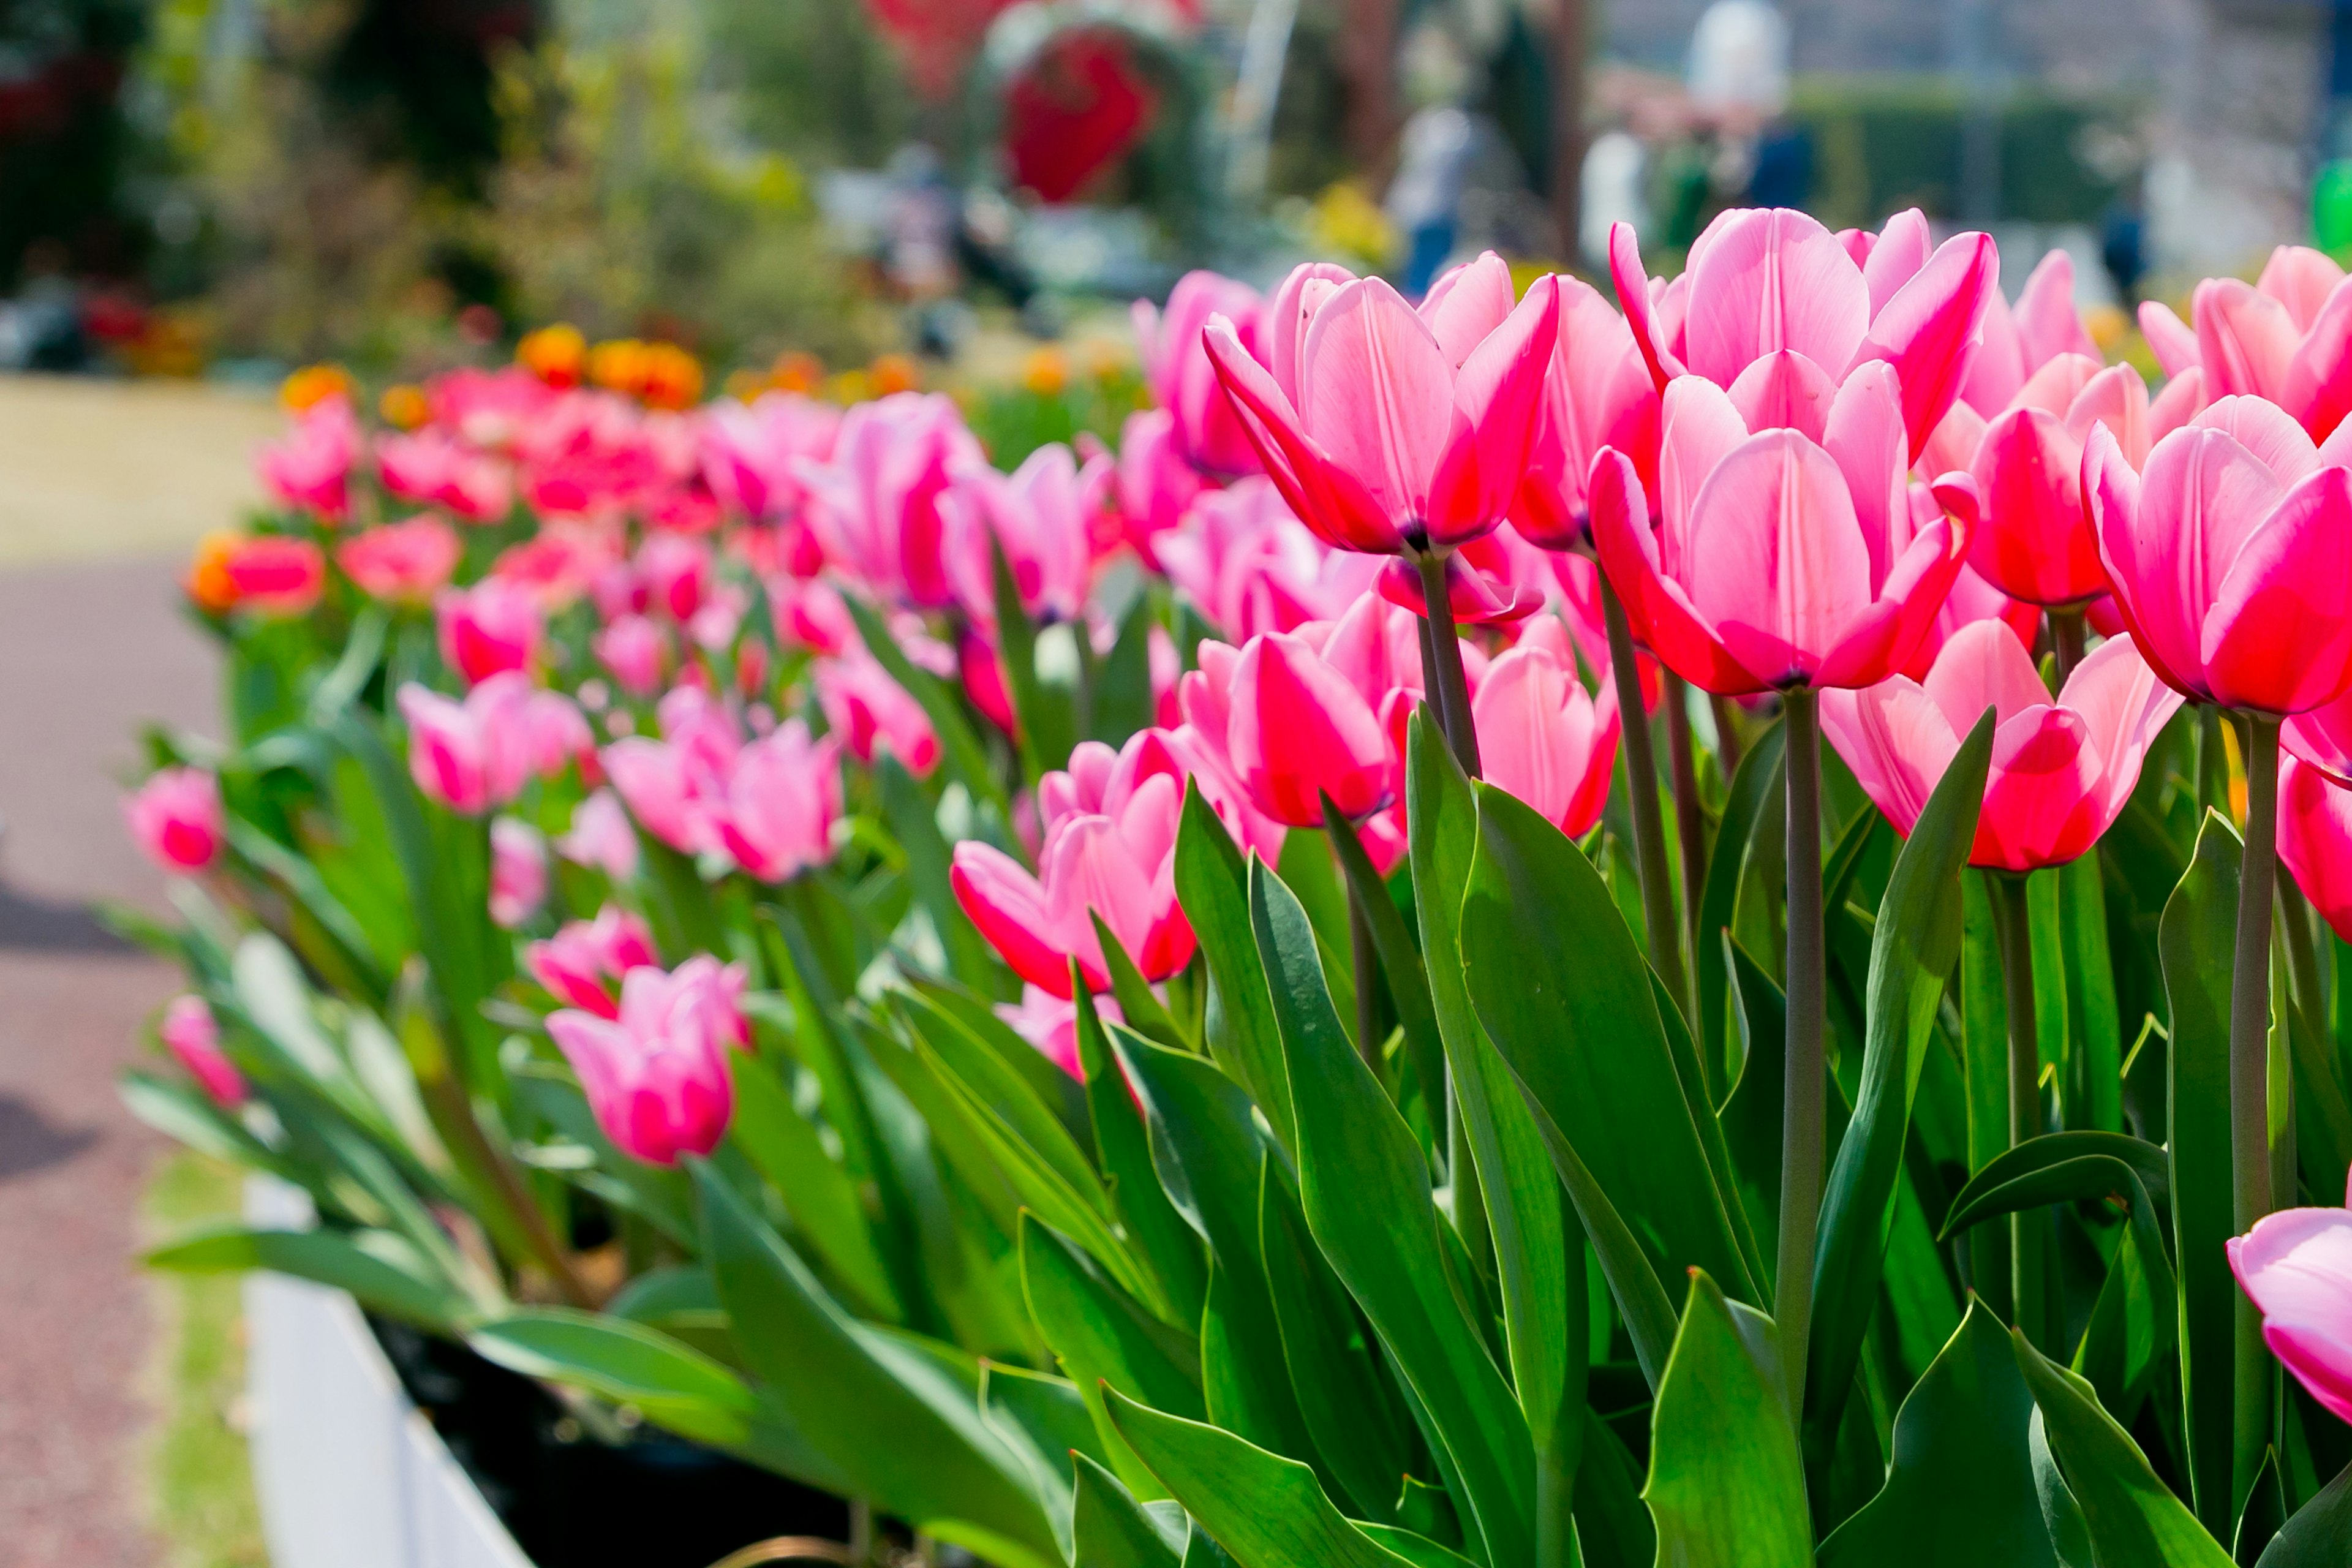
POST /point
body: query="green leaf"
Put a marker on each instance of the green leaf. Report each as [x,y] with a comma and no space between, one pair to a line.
[625,1363]
[1755,793]
[2097,1032]
[2074,1167]
[1266,1510]
[2319,1533]
[1043,1419]
[1612,1528]
[384,1271]
[1112,1530]
[915,826]
[179,1110]
[1213,884]
[1364,1185]
[1048,722]
[1912,950]
[1564,993]
[964,755]
[1751,1113]
[1401,960]
[1137,1004]
[1726,1486]
[818,1195]
[1960,1491]
[895,1428]
[1123,1150]
[2133,1518]
[1417,1550]
[2200,924]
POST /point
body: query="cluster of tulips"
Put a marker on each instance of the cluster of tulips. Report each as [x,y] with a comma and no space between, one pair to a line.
[1162,1006]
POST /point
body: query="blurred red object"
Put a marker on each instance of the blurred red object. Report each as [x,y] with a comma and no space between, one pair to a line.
[935,39]
[1079,107]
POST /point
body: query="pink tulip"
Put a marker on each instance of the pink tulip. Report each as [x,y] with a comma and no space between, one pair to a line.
[1042,516]
[403,562]
[1050,1023]
[1785,558]
[1597,393]
[2286,337]
[751,451]
[2020,341]
[176,820]
[1396,431]
[1299,730]
[517,871]
[635,650]
[656,1076]
[490,409]
[875,505]
[583,961]
[673,785]
[2062,770]
[1764,281]
[190,1034]
[1109,850]
[556,734]
[1582,635]
[1155,485]
[1208,433]
[2295,1266]
[2231,558]
[474,756]
[981,667]
[434,469]
[266,572]
[809,614]
[869,710]
[676,570]
[1543,739]
[2315,837]
[1250,567]
[784,796]
[1489,582]
[311,467]
[557,564]
[601,836]
[488,628]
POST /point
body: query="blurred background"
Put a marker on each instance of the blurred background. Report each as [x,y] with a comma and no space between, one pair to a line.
[229,188]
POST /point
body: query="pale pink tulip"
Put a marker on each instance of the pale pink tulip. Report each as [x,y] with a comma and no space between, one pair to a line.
[474,756]
[1249,565]
[601,836]
[556,734]
[1041,515]
[489,628]
[1397,431]
[875,505]
[402,563]
[2286,337]
[869,710]
[635,650]
[783,796]
[1785,558]
[517,871]
[1765,280]
[751,452]
[1050,1023]
[1597,393]
[176,820]
[1544,740]
[656,1076]
[2062,770]
[1208,433]
[2295,1266]
[582,963]
[2231,558]
[676,570]
[189,1032]
[673,785]
[1155,485]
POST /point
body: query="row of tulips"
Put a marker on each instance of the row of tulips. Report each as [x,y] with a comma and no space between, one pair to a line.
[1306,991]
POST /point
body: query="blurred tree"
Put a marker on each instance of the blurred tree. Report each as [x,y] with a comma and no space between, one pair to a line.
[65,143]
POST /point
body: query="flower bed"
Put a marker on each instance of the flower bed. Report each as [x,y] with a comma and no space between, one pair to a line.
[1307,990]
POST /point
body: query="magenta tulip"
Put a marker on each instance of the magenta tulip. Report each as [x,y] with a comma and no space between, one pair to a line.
[581,963]
[1207,432]
[784,796]
[752,452]
[2286,337]
[189,1032]
[1398,431]
[1543,739]
[1155,484]
[1788,557]
[2062,770]
[656,1075]
[470,756]
[672,785]
[489,628]
[311,467]
[1249,565]
[875,506]
[676,570]
[1298,729]
[1042,516]
[434,469]
[2231,558]
[176,820]
[2295,1266]
[869,710]
[1597,393]
[1204,700]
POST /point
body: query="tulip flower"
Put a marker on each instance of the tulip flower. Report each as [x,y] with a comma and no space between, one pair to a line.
[672,785]
[2315,838]
[1398,431]
[266,572]
[751,452]
[601,836]
[581,963]
[1155,484]
[1208,433]
[869,710]
[875,505]
[1766,280]
[1596,392]
[1781,561]
[635,650]
[1299,730]
[1544,740]
[1050,1023]
[1109,850]
[1205,701]
[311,467]
[1041,516]
[491,628]
[2295,1266]
[402,563]
[189,1032]
[1250,567]
[474,756]
[676,570]
[784,796]
[2062,770]
[434,469]
[176,819]
[2019,341]
[2287,337]
[517,871]
[656,1075]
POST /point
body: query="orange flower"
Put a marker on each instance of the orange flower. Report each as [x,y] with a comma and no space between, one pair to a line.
[555,355]
[269,572]
[208,581]
[893,373]
[404,406]
[313,385]
[669,377]
[616,365]
[1046,371]
[797,370]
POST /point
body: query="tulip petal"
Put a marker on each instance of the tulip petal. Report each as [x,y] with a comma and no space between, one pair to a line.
[2170,339]
[2124,706]
[1698,426]
[1496,398]
[1895,739]
[2047,321]
[1984,666]
[1897,251]
[2264,430]
[1466,303]
[1633,288]
[2245,340]
[2034,544]
[2300,278]
[1784,390]
[2319,379]
[1009,909]
[1777,563]
[1378,394]
[1865,435]
[1329,500]
[2278,637]
[2315,840]
[1773,278]
[1929,331]
[1662,614]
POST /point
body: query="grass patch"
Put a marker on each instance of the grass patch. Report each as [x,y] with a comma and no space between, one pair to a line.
[199,1475]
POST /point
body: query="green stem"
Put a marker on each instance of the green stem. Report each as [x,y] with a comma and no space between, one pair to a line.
[2030,1289]
[1801,1102]
[2250,1120]
[1690,823]
[1367,961]
[1445,642]
[1727,733]
[1642,777]
[2066,637]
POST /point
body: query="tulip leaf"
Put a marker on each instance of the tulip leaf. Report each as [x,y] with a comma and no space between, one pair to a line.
[1755,793]
[1044,1420]
[1960,1490]
[1727,1486]
[2200,924]
[1364,1186]
[897,1429]
[1401,960]
[1035,1100]
[386,1271]
[625,1363]
[2096,1029]
[818,1195]
[1564,993]
[1110,1530]
[1613,1529]
[182,1112]
[1539,1250]
[1266,1511]
[914,825]
[2131,1515]
[2073,1167]
[956,738]
[2319,1533]
[1213,884]
[1044,718]
[1060,1093]
[1144,1011]
[1752,1112]
[1417,1550]
[1123,1150]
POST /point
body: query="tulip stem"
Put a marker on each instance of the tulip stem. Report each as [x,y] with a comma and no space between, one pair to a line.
[2067,635]
[1690,825]
[1453,686]
[1801,1100]
[2249,1118]
[1726,735]
[2012,926]
[1641,778]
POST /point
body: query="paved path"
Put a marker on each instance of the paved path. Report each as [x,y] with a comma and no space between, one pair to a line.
[103,487]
